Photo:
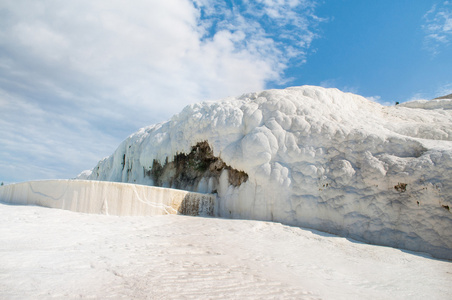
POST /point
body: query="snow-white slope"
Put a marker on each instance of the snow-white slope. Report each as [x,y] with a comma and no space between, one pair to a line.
[56,254]
[315,157]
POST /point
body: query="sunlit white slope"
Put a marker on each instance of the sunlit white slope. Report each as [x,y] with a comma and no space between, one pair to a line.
[315,157]
[57,254]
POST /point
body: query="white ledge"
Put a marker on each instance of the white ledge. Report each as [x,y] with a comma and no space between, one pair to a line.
[110,198]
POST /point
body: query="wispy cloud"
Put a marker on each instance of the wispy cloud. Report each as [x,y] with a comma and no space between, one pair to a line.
[443,90]
[274,31]
[76,77]
[333,83]
[438,26]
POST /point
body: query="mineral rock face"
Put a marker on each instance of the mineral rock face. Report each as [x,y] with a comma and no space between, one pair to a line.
[109,198]
[308,156]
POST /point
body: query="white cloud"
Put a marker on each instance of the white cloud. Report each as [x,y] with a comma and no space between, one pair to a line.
[440,90]
[416,96]
[332,83]
[438,27]
[444,90]
[76,77]
[378,99]
[374,98]
[36,143]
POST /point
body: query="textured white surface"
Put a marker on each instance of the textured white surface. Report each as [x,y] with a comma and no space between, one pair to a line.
[318,158]
[55,254]
[111,198]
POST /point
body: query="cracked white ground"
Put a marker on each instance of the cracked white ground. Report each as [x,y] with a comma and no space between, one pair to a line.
[50,253]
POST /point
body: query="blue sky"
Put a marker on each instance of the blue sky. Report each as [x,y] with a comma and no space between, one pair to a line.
[78,77]
[381,49]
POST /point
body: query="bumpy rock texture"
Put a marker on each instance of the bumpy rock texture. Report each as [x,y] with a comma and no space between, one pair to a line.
[308,156]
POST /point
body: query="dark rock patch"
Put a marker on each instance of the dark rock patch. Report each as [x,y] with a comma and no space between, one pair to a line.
[186,171]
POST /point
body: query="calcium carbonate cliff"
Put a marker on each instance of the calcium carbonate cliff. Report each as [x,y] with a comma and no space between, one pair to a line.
[307,156]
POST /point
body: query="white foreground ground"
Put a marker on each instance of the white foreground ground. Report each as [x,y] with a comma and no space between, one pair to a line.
[51,253]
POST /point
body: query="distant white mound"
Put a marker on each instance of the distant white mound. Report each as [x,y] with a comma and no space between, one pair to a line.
[429,104]
[308,156]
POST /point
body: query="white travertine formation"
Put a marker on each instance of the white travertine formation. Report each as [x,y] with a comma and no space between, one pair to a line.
[110,198]
[318,158]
